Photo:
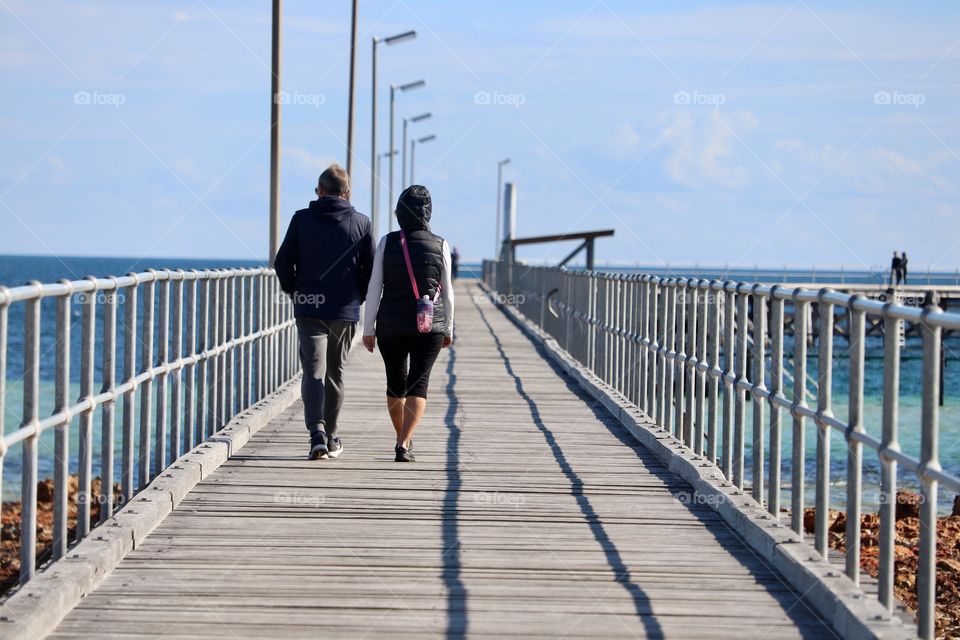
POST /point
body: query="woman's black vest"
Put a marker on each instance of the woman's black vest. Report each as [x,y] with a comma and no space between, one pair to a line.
[397,315]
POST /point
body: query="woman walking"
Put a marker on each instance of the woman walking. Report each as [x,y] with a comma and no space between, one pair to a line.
[409,312]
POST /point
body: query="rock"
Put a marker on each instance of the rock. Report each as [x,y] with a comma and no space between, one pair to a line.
[838,521]
[949,565]
[45,490]
[902,552]
[908,504]
[956,506]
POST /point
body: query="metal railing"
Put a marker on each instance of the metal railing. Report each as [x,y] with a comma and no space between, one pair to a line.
[210,344]
[692,354]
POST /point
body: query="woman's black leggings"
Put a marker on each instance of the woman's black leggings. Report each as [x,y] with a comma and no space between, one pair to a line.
[422,350]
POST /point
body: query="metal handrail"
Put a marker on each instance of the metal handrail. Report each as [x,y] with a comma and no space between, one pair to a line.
[678,349]
[211,344]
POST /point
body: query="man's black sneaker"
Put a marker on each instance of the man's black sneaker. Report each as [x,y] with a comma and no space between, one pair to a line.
[318,445]
[334,447]
[403,455]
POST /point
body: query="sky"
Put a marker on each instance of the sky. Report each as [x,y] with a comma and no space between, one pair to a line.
[792,133]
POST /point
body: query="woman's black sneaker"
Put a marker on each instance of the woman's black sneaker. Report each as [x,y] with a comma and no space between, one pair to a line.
[318,445]
[403,455]
[334,447]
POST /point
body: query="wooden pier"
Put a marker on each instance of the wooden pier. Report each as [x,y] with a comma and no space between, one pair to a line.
[530,511]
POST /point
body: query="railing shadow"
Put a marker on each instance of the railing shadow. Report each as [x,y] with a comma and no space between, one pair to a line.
[793,605]
[457,616]
[618,567]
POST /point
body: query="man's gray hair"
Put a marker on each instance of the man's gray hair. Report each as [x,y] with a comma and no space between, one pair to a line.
[335,181]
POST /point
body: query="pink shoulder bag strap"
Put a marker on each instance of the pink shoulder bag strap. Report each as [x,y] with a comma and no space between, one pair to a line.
[413,280]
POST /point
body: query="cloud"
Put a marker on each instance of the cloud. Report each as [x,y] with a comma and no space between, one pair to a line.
[703,148]
[873,171]
[626,141]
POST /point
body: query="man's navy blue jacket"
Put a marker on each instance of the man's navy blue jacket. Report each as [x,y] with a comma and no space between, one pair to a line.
[325,260]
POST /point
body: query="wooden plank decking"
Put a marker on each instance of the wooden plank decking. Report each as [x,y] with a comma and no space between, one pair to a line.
[529,512]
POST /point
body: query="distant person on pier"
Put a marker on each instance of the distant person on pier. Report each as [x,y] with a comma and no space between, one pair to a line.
[410,312]
[455,263]
[903,268]
[324,264]
[896,269]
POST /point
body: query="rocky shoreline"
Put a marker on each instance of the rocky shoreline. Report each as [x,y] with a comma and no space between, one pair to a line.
[906,554]
[10,526]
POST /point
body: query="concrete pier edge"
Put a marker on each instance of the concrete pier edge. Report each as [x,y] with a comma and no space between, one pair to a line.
[35,609]
[849,611]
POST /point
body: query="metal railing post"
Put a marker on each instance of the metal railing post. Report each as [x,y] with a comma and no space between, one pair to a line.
[107,409]
[643,334]
[30,461]
[713,381]
[653,356]
[854,429]
[670,331]
[662,362]
[929,464]
[127,462]
[798,450]
[729,379]
[211,413]
[61,468]
[758,389]
[146,364]
[776,394]
[176,348]
[203,361]
[740,394]
[248,391]
[824,403]
[679,362]
[163,341]
[85,453]
[701,365]
[189,374]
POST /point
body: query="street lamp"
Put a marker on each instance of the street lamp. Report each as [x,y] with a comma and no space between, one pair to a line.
[496,235]
[393,93]
[376,200]
[275,131]
[403,164]
[413,151]
[392,40]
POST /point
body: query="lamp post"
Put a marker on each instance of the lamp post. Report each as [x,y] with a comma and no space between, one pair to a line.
[403,147]
[275,133]
[392,40]
[353,82]
[496,235]
[376,199]
[393,98]
[413,151]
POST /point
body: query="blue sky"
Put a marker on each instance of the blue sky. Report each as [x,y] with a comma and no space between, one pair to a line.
[780,133]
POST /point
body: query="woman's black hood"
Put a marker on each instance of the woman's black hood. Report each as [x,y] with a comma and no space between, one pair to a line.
[413,209]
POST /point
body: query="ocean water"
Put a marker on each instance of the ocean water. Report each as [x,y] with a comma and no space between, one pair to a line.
[15,270]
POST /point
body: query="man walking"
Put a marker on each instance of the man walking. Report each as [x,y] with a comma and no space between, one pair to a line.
[324,264]
[896,268]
